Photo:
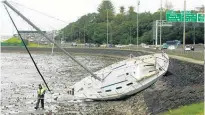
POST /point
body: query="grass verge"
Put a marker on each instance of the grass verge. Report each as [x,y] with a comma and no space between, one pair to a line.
[193,109]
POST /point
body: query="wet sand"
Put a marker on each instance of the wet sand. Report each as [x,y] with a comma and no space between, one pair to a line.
[20,79]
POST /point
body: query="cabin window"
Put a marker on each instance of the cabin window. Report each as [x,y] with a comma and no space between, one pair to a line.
[151,71]
[129,84]
[107,90]
[80,89]
[99,91]
[118,87]
[113,84]
[127,73]
[118,66]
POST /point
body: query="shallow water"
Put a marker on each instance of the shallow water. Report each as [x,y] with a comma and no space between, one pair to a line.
[20,79]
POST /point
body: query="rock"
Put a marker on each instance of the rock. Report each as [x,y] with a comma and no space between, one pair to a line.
[55,98]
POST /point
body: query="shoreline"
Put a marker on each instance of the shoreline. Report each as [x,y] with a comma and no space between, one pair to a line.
[119,53]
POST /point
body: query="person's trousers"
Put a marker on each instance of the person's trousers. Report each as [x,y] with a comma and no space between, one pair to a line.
[42,103]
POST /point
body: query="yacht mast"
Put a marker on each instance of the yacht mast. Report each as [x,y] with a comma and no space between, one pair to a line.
[69,55]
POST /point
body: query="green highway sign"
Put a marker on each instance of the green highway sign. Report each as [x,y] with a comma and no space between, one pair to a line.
[200,17]
[172,16]
[190,17]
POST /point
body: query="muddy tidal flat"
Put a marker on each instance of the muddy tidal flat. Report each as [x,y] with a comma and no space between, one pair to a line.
[182,85]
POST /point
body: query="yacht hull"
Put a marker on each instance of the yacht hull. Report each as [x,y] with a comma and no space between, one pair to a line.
[124,78]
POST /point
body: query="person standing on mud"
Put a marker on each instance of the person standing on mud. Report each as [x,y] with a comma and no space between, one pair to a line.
[41,92]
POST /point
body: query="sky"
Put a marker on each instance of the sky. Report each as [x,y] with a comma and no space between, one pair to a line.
[71,10]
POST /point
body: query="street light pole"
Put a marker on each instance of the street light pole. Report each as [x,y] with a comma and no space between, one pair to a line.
[160,24]
[137,21]
[53,41]
[130,35]
[156,33]
[184,24]
[194,33]
[84,33]
[71,34]
[62,38]
[107,27]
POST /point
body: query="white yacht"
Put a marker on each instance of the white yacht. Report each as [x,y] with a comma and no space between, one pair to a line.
[124,78]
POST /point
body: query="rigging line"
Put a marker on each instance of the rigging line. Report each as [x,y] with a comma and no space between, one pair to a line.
[26,47]
[41,13]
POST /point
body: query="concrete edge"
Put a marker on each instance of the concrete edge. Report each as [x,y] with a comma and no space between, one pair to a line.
[106,55]
[181,58]
[171,56]
[187,59]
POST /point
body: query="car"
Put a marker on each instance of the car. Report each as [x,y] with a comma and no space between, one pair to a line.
[143,44]
[192,48]
[74,44]
[187,48]
[171,47]
[87,45]
[164,46]
[119,46]
[146,46]
[103,45]
[111,45]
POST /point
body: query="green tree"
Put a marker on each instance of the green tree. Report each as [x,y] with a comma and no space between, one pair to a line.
[131,10]
[92,27]
[105,10]
[106,5]
[122,10]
